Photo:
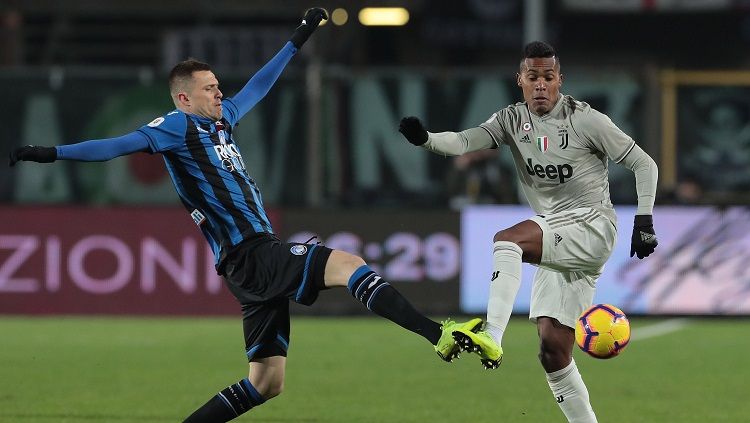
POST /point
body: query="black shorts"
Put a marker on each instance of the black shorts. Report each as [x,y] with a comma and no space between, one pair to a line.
[264,277]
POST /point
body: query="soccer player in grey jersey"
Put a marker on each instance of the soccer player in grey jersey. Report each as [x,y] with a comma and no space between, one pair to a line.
[560,147]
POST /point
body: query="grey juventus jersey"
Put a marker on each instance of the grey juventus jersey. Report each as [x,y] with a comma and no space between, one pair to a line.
[561,157]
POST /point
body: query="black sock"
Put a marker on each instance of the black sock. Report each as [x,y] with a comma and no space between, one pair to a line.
[228,404]
[382,299]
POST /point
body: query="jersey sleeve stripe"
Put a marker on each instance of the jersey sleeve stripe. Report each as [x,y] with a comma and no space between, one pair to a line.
[626,153]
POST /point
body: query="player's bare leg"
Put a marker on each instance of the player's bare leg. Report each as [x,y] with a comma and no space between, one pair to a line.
[556,355]
[267,375]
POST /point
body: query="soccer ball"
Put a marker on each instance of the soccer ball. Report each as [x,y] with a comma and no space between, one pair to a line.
[602,331]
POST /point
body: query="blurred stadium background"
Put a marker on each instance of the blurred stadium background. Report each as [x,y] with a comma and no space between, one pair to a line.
[111,238]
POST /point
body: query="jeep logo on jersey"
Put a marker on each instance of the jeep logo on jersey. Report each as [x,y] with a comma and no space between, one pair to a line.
[560,172]
[230,157]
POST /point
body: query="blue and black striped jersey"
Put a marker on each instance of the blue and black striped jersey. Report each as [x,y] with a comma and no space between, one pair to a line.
[203,161]
[207,168]
[210,176]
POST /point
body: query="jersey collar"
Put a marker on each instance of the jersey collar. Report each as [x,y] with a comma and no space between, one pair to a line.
[555,110]
[220,124]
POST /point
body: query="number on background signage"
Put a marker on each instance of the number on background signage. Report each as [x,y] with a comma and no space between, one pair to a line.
[404,256]
[405,266]
[441,252]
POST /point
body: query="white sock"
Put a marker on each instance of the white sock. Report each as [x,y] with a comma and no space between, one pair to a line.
[571,394]
[506,279]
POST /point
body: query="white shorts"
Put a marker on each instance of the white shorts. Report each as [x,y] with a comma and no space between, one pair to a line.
[575,246]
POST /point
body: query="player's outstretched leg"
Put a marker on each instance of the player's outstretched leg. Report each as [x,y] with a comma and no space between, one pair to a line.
[480,342]
[446,347]
[382,299]
[366,286]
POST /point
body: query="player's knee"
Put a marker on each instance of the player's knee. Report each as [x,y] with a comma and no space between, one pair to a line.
[340,267]
[274,389]
[269,384]
[504,235]
[510,235]
[271,388]
[354,262]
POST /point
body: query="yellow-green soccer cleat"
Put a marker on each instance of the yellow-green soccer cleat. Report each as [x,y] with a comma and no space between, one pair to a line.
[446,348]
[480,342]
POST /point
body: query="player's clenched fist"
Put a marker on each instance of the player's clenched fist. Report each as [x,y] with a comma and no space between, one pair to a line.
[412,129]
[643,242]
[309,23]
[33,153]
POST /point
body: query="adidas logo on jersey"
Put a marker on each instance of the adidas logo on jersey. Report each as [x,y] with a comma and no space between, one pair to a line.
[558,238]
[526,139]
[559,172]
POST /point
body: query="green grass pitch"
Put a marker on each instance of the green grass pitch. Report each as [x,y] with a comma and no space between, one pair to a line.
[355,370]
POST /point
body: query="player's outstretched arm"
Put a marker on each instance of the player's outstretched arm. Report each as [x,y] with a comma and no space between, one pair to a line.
[447,143]
[88,151]
[260,84]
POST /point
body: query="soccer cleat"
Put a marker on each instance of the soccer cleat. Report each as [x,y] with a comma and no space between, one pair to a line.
[446,348]
[480,342]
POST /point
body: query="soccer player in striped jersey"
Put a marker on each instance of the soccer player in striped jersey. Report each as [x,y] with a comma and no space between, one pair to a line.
[560,147]
[262,272]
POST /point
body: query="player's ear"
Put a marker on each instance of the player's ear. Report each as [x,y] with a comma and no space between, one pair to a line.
[182,98]
[518,78]
[561,78]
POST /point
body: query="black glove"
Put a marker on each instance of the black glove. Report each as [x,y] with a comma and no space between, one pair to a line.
[643,241]
[413,130]
[309,23]
[33,153]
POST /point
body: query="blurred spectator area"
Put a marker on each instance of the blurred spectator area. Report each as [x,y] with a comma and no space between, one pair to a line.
[131,32]
[442,32]
[94,69]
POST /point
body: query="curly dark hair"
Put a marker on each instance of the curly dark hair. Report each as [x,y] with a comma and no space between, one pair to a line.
[538,49]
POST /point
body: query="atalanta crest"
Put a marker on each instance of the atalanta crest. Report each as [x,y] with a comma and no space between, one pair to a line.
[298,250]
